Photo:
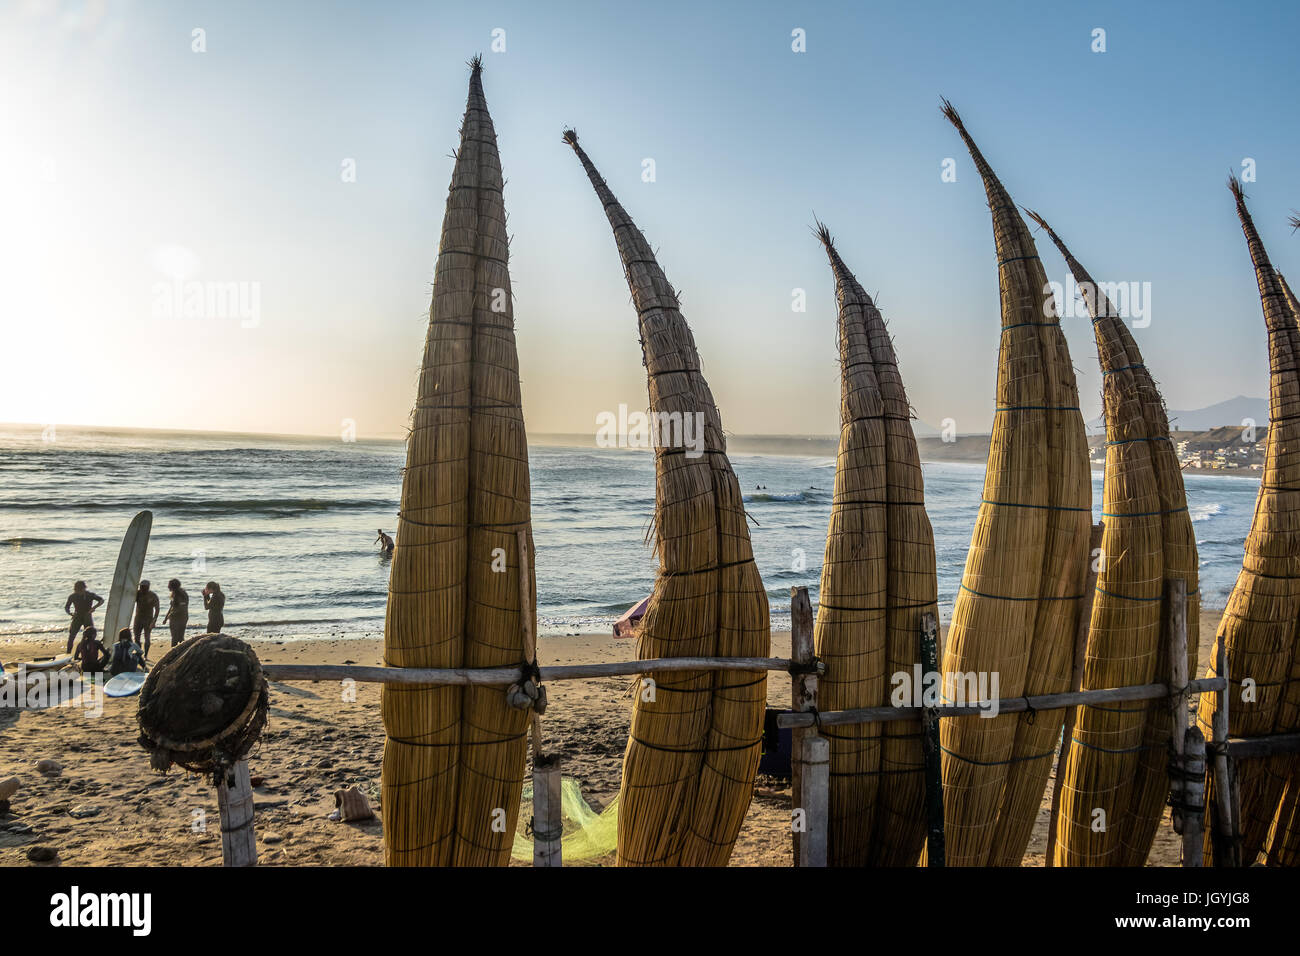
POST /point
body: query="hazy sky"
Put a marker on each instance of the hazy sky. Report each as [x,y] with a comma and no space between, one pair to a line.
[131,160]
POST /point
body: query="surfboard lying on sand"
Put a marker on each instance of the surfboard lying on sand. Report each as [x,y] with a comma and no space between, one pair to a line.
[46,663]
[124,685]
[126,577]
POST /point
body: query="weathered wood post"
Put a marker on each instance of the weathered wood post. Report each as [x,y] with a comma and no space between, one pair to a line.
[816,799]
[1227,833]
[934,845]
[1076,683]
[806,762]
[1176,644]
[548,816]
[235,804]
[548,820]
[1193,797]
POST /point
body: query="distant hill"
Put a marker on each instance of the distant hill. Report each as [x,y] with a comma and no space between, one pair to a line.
[1230,412]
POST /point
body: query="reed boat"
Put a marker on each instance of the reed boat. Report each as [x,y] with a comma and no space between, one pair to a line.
[696,736]
[1115,781]
[1017,611]
[878,580]
[454,757]
[1260,629]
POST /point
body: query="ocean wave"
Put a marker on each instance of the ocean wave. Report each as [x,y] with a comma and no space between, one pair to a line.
[793,498]
[22,541]
[1206,512]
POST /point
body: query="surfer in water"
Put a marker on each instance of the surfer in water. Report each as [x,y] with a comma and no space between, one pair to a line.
[214,601]
[178,614]
[385,543]
[81,604]
[91,654]
[126,654]
[146,614]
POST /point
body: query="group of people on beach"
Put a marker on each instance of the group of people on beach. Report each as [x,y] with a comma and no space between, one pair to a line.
[130,652]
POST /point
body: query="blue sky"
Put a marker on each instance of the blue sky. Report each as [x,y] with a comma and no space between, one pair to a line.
[126,146]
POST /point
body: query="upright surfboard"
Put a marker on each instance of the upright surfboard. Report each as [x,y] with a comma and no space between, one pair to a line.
[126,577]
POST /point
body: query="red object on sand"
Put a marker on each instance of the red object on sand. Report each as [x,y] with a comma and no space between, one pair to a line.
[625,626]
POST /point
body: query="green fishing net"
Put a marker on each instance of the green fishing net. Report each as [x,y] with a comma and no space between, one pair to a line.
[587,834]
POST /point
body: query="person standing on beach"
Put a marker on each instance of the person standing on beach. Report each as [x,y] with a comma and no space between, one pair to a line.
[214,600]
[81,604]
[385,542]
[146,614]
[178,615]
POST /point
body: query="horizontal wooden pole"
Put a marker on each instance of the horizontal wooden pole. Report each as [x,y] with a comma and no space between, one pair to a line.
[1008,705]
[509,675]
[1245,747]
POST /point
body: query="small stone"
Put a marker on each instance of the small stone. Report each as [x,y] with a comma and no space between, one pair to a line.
[51,767]
[270,836]
[42,853]
[80,812]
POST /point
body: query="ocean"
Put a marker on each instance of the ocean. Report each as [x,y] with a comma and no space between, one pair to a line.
[287,525]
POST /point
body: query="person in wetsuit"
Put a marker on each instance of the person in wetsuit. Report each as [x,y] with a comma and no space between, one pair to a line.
[385,542]
[91,654]
[146,614]
[214,600]
[81,604]
[178,614]
[126,654]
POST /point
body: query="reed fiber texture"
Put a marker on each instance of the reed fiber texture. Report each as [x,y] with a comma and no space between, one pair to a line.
[1017,611]
[878,580]
[454,756]
[1259,632]
[696,736]
[1116,782]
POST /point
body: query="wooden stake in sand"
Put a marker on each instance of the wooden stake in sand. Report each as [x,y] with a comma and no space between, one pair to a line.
[235,804]
[934,851]
[1176,635]
[803,700]
[1193,798]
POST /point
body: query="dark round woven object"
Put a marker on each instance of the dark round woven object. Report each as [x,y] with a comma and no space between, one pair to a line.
[203,705]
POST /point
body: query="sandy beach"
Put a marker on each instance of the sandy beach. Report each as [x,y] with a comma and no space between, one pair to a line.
[107,808]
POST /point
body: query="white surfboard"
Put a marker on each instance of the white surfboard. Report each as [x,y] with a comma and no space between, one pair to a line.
[47,664]
[126,577]
[124,685]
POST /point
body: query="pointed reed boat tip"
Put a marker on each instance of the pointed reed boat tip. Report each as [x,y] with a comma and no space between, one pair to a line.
[570,136]
[475,64]
[1234,186]
[1294,222]
[823,233]
[951,113]
[1037,218]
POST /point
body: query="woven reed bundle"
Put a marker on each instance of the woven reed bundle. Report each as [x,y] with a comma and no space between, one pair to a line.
[1259,631]
[878,580]
[693,750]
[455,756]
[1120,763]
[1017,611]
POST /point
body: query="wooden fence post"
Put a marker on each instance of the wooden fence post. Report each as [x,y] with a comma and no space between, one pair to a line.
[803,698]
[934,839]
[235,804]
[1176,644]
[548,821]
[816,799]
[1193,797]
[1227,833]
[1076,683]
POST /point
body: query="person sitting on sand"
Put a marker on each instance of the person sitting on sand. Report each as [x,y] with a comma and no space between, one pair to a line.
[91,654]
[214,600]
[385,542]
[146,614]
[178,614]
[127,655]
[81,604]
